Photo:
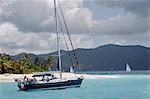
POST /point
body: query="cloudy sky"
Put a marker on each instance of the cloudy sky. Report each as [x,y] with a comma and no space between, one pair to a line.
[29,26]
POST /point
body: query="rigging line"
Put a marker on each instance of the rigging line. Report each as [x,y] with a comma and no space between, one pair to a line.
[65,25]
[77,63]
[59,21]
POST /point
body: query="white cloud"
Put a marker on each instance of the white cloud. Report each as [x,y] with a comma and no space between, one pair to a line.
[28,25]
[27,15]
[79,20]
[121,25]
[140,7]
[82,41]
[13,41]
[0,11]
[38,16]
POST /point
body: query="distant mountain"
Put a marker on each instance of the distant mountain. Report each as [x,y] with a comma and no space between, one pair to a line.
[108,57]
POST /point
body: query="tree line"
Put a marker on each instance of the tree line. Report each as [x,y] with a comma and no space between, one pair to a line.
[22,65]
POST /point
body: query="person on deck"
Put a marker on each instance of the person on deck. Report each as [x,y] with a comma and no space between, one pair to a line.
[25,77]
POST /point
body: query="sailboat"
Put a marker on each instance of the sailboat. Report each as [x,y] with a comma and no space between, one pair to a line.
[71,70]
[128,68]
[48,79]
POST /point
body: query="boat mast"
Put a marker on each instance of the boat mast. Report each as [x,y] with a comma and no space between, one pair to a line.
[58,38]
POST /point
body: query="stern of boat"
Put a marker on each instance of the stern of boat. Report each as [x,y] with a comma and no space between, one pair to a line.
[22,85]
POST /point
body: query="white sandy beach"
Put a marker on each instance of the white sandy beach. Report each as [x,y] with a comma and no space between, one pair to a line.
[12,77]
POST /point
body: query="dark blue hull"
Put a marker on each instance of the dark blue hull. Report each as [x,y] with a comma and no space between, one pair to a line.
[57,85]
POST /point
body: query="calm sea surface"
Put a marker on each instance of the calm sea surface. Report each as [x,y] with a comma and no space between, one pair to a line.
[122,87]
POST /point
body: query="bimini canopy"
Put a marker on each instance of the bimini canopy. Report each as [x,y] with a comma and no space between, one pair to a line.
[39,74]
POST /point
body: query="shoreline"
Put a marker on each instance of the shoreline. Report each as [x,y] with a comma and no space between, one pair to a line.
[12,77]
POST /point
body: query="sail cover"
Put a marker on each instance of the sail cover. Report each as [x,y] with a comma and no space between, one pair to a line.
[58,65]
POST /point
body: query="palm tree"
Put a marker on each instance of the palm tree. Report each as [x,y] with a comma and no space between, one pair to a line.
[24,62]
[36,61]
[47,62]
[5,63]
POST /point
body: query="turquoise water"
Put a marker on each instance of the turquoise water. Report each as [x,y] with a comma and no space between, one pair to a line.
[123,87]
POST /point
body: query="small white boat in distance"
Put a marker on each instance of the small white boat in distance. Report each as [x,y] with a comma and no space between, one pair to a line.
[128,68]
[71,70]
